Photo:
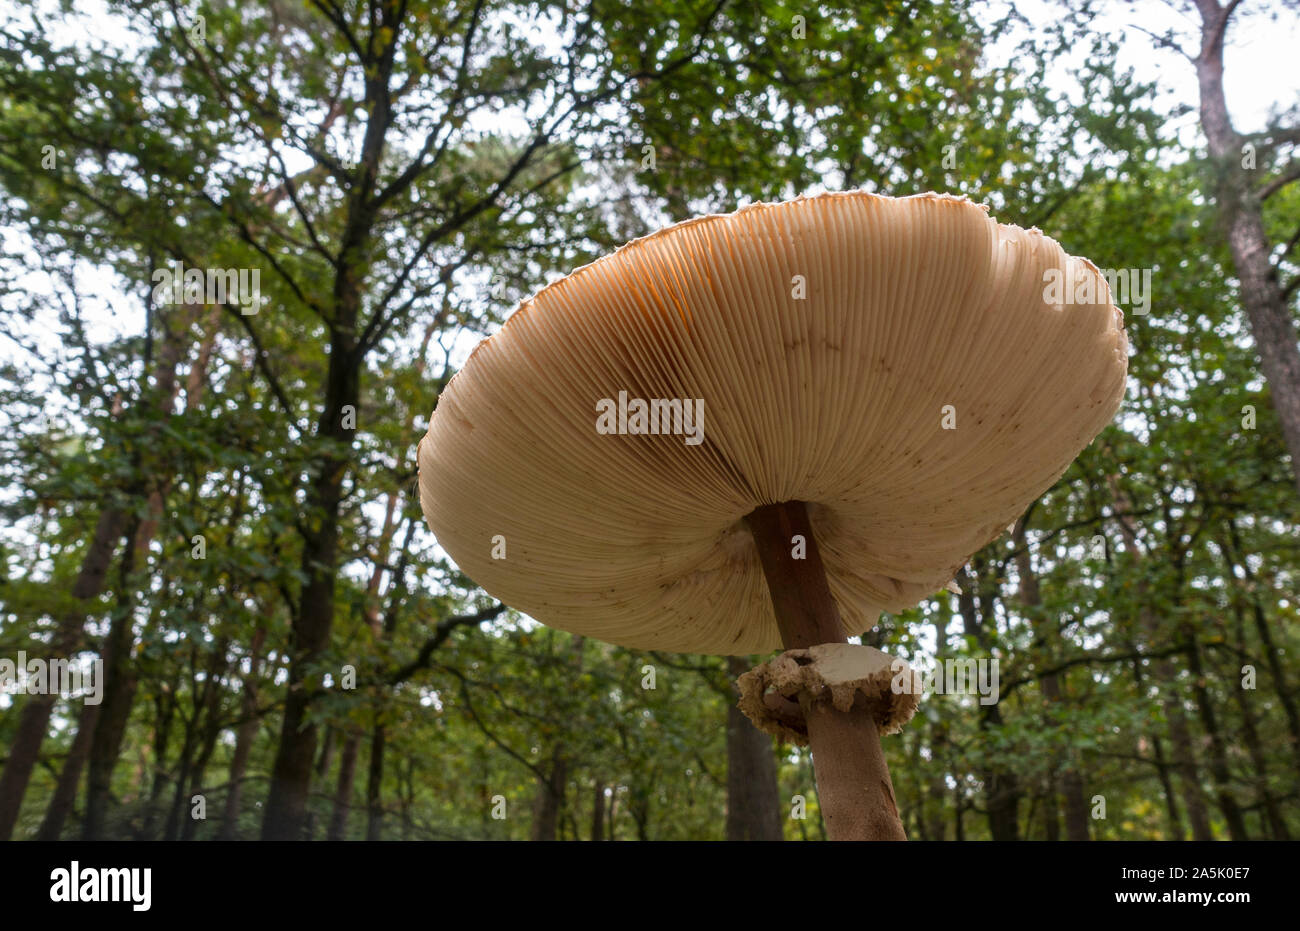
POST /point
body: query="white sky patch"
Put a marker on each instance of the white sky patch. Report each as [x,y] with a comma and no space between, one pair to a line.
[1259,73]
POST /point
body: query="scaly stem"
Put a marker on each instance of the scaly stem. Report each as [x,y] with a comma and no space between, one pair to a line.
[853,785]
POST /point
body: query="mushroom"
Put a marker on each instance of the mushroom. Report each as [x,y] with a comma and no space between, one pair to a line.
[762,429]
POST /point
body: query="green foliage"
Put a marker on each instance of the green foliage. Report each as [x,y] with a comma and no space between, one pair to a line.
[512,150]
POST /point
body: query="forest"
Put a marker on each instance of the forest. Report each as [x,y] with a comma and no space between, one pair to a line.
[248,243]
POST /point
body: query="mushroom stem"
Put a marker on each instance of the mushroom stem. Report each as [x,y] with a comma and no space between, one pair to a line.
[853,785]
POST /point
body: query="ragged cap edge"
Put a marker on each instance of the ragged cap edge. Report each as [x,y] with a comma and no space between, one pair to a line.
[834,672]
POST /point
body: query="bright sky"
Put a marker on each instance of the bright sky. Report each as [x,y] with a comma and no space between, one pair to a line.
[1260,73]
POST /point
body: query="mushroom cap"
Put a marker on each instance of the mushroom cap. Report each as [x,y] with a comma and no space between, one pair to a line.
[827,337]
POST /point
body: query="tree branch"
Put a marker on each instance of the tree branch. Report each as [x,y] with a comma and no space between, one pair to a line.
[442,631]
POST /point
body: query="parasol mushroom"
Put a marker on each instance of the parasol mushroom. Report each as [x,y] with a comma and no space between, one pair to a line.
[762,429]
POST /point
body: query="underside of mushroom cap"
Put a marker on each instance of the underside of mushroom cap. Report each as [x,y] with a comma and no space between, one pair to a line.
[895,363]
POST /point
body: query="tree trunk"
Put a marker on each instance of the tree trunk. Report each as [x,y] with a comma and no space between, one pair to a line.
[612,819]
[1176,829]
[1249,729]
[171,828]
[1259,764]
[638,806]
[1239,206]
[119,694]
[753,802]
[190,824]
[1184,756]
[64,798]
[1002,790]
[549,799]
[548,803]
[405,795]
[598,811]
[34,719]
[1235,557]
[114,525]
[1051,809]
[174,344]
[1047,636]
[105,746]
[65,791]
[164,715]
[374,782]
[338,828]
[286,805]
[937,790]
[1218,753]
[1076,806]
[213,688]
[347,768]
[244,738]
